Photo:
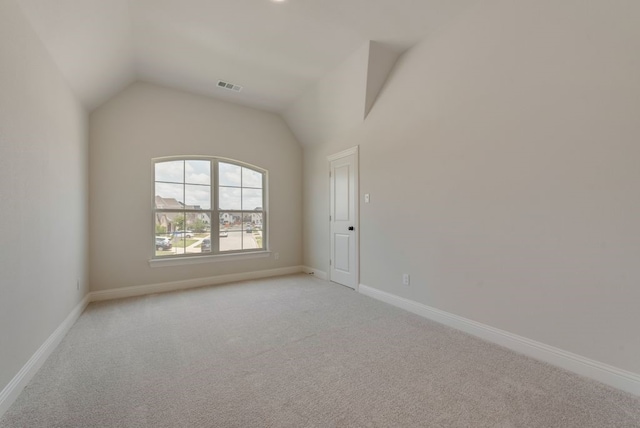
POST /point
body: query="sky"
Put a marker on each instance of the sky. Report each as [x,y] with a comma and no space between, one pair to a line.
[189,182]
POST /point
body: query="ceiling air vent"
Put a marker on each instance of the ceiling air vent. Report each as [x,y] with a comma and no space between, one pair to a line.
[229,86]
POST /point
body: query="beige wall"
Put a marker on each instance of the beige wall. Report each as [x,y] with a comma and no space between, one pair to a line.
[502,161]
[43,194]
[333,106]
[147,121]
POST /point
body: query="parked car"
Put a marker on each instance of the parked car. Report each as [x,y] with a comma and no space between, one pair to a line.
[183,234]
[163,243]
[224,233]
[248,229]
[205,246]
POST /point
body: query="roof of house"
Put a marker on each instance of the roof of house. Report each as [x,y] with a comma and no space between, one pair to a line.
[168,203]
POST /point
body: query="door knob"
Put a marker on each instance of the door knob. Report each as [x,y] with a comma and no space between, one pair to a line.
[350,227]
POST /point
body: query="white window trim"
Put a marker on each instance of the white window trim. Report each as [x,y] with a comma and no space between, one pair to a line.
[195,260]
[182,259]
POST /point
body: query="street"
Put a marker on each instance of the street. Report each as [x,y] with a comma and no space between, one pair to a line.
[234,241]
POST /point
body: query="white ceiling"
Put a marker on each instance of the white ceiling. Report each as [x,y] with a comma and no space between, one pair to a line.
[274,50]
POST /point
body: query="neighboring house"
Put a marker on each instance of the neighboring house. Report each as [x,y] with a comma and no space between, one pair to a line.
[229,218]
[166,219]
[256,218]
[204,217]
[168,203]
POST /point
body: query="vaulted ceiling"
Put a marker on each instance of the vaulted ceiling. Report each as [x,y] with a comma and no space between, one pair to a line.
[273,49]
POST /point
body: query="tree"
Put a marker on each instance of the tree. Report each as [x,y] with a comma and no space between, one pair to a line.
[199,226]
[179,221]
[160,229]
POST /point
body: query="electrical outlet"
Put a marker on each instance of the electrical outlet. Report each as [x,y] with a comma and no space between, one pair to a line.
[276,256]
[406,280]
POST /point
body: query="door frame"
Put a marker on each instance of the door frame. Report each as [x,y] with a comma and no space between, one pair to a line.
[356,174]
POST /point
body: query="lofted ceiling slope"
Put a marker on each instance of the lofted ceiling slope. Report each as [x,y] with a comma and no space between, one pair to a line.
[274,50]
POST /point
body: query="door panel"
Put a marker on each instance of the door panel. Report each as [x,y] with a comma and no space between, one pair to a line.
[343,220]
[341,194]
[341,251]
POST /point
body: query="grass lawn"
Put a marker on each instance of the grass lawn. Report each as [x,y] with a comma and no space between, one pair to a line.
[179,242]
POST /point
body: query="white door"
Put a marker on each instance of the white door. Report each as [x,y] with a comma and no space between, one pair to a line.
[344,218]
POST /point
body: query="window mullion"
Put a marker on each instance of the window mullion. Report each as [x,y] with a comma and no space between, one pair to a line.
[265,220]
[215,216]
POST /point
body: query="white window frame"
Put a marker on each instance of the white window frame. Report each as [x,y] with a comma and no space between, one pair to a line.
[214,211]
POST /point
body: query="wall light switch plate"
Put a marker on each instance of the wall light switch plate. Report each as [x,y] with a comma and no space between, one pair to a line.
[366,198]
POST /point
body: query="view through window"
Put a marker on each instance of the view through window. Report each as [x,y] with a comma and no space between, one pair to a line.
[206,206]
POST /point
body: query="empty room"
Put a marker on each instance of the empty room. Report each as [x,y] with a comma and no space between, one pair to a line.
[337,213]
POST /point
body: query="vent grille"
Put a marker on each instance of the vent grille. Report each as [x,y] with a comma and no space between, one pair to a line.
[229,86]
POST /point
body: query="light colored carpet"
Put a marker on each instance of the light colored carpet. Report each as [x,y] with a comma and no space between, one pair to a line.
[296,352]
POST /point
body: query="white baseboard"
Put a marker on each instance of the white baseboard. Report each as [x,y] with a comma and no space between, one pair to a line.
[612,376]
[140,290]
[20,380]
[10,392]
[315,272]
[618,378]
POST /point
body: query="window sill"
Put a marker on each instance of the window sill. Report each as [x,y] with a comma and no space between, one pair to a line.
[179,261]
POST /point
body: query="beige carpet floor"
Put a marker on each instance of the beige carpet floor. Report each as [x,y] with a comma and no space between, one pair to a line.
[296,352]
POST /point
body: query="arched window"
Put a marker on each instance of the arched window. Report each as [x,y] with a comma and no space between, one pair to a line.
[208,206]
